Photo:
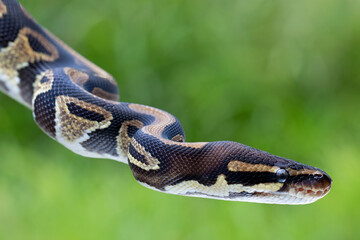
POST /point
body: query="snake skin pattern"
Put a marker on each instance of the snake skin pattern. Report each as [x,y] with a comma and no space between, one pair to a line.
[75,103]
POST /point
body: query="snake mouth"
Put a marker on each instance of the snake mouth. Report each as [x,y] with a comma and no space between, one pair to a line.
[305,192]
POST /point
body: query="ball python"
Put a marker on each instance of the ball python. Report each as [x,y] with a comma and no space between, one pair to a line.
[76,103]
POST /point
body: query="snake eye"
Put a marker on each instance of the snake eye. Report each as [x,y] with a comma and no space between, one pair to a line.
[282,175]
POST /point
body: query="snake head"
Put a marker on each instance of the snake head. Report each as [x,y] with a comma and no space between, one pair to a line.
[303,185]
[258,176]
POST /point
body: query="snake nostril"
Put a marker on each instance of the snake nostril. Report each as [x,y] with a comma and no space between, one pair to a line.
[322,181]
[318,176]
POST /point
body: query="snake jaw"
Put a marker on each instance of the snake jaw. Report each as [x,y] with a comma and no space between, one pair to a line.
[309,191]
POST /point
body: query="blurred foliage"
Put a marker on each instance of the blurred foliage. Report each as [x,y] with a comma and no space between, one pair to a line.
[282,76]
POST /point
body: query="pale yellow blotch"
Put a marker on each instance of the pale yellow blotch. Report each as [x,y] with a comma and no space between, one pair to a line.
[103,94]
[260,188]
[219,189]
[293,172]
[152,163]
[123,139]
[77,77]
[19,54]
[264,187]
[3,9]
[141,164]
[239,166]
[236,188]
[74,127]
[43,87]
[178,138]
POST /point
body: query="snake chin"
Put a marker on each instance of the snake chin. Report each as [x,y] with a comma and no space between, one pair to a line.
[305,196]
[295,196]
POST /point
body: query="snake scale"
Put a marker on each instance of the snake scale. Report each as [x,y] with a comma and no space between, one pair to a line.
[75,103]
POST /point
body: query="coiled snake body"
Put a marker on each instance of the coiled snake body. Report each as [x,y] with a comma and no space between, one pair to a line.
[75,102]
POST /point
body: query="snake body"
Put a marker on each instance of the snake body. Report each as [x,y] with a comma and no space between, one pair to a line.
[75,103]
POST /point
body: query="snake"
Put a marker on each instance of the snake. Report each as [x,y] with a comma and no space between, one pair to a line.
[76,103]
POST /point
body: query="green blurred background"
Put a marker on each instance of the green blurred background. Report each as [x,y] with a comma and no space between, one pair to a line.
[282,76]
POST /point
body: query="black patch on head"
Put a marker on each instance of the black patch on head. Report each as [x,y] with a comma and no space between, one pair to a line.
[84,113]
[250,178]
[36,45]
[303,179]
